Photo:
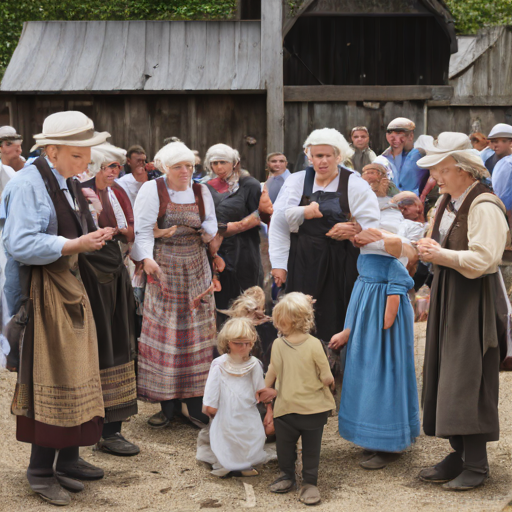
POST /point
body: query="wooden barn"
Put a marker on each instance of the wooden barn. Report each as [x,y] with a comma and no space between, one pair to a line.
[259,84]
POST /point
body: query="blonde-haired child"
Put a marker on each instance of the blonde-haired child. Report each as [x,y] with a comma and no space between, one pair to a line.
[251,304]
[236,434]
[302,376]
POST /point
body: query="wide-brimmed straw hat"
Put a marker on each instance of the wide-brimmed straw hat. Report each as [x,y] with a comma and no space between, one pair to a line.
[71,128]
[447,144]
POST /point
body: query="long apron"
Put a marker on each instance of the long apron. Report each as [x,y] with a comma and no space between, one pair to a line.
[320,266]
[177,340]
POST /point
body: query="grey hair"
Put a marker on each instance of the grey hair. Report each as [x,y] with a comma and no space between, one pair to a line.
[471,163]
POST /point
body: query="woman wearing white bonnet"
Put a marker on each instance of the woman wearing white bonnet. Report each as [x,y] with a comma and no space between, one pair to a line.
[462,355]
[178,328]
[316,214]
[116,209]
[236,195]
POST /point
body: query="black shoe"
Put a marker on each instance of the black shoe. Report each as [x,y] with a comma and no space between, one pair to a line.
[448,469]
[81,470]
[117,445]
[379,460]
[466,481]
[159,420]
[70,484]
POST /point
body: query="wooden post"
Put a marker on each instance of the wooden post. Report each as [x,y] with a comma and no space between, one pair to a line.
[272,71]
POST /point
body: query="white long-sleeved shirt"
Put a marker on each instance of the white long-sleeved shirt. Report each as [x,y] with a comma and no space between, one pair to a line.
[145,214]
[288,215]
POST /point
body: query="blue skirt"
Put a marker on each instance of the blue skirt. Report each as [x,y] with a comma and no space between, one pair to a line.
[379,407]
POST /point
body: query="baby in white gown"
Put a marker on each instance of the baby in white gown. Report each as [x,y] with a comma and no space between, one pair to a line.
[235,439]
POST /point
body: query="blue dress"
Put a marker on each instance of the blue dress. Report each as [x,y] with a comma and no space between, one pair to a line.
[379,400]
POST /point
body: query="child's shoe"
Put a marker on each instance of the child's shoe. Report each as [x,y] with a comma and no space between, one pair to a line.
[309,494]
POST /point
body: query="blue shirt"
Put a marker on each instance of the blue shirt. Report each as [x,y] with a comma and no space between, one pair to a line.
[406,173]
[502,181]
[29,223]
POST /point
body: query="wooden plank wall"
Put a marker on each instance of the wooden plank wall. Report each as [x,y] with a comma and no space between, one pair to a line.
[199,120]
[302,118]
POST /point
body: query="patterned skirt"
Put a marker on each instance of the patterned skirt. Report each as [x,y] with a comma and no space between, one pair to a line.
[176,344]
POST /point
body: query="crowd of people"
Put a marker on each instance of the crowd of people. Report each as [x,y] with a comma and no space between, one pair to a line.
[127,280]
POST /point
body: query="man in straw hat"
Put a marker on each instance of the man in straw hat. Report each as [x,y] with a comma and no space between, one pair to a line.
[462,354]
[58,399]
[403,156]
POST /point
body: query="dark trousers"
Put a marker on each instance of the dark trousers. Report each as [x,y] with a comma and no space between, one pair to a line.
[288,430]
[109,429]
[41,459]
[473,451]
[194,406]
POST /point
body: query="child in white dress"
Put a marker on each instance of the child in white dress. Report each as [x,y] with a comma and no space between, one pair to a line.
[236,434]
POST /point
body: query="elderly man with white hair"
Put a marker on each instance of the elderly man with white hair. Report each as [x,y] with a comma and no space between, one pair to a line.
[47,225]
[178,327]
[317,213]
[462,354]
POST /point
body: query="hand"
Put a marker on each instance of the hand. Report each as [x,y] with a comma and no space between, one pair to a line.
[428,250]
[124,231]
[268,423]
[392,304]
[151,267]
[164,233]
[367,236]
[95,240]
[206,238]
[210,411]
[218,264]
[339,340]
[266,395]
[279,276]
[215,244]
[312,211]
[344,231]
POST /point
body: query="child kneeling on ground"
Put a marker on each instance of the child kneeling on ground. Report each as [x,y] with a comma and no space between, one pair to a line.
[302,376]
[234,440]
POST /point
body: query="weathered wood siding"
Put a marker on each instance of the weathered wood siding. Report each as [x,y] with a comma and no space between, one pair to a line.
[199,120]
[302,118]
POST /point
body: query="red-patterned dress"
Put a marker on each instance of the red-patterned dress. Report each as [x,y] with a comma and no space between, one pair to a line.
[176,344]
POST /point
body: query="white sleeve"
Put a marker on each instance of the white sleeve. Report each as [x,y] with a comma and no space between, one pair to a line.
[279,230]
[411,230]
[211,397]
[210,220]
[145,214]
[363,202]
[257,378]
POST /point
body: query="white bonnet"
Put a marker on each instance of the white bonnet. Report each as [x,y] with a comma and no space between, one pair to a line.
[221,152]
[172,154]
[330,137]
[105,153]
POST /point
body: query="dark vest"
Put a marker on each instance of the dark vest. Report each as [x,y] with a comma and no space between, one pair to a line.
[71,224]
[457,236]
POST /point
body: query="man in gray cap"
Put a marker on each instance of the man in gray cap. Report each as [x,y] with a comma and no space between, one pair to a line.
[500,140]
[402,156]
[58,399]
[10,148]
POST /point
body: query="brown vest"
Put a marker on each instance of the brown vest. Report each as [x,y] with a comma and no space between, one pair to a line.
[71,224]
[457,236]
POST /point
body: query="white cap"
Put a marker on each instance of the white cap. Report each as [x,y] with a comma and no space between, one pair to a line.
[501,130]
[9,133]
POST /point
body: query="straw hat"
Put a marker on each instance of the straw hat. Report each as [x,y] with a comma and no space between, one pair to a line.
[69,128]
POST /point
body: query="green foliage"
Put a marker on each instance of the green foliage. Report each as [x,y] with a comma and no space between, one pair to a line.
[14,12]
[472,15]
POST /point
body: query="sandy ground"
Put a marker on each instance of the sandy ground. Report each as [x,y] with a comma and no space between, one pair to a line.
[165,476]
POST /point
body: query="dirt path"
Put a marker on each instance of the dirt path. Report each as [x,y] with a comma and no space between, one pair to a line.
[166,476]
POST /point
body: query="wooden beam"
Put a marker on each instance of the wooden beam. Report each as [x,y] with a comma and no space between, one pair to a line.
[474,101]
[272,71]
[367,93]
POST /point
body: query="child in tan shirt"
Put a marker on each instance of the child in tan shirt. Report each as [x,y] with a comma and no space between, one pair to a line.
[300,370]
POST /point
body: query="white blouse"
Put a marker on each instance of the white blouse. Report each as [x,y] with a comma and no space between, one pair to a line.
[131,186]
[288,216]
[145,213]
